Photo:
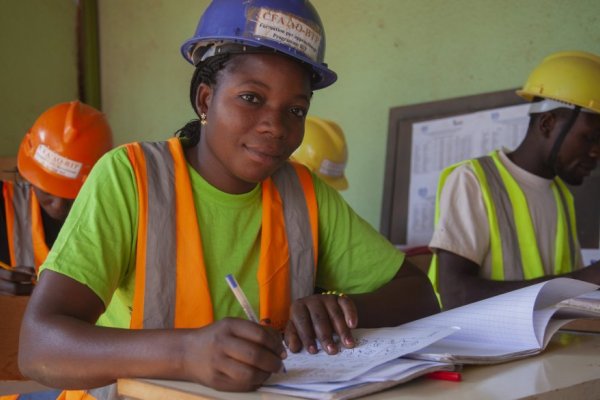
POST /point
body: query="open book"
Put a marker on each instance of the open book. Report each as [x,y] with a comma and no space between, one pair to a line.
[512,325]
[509,326]
[501,328]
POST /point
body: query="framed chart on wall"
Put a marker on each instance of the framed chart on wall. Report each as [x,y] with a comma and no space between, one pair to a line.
[425,138]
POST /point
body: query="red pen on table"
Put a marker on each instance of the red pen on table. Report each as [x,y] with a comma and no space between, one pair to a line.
[445,376]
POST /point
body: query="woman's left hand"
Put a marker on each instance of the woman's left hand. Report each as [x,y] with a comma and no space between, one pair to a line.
[320,317]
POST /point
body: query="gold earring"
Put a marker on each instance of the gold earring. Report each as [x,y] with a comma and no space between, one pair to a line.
[202,119]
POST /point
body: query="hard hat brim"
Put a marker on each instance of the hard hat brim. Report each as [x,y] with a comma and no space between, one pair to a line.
[336,183]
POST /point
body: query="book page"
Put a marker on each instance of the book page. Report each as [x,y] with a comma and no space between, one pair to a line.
[505,323]
[559,289]
[374,347]
[551,303]
[504,320]
[461,352]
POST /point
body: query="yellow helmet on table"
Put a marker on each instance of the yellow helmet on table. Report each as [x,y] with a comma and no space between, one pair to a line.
[324,151]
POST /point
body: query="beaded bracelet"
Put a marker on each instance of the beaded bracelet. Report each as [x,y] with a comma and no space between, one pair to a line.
[335,293]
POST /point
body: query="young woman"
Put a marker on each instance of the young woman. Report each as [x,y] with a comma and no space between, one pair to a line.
[158,226]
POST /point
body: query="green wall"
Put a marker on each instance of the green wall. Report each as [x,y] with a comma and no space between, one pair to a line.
[396,52]
[38,65]
[387,53]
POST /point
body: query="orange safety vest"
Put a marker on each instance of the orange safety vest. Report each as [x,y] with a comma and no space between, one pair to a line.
[25,230]
[167,297]
[171,288]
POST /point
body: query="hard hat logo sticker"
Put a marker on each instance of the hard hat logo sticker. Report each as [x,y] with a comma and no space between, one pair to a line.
[332,169]
[56,163]
[289,30]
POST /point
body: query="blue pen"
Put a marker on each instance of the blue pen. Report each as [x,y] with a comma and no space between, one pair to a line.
[243,300]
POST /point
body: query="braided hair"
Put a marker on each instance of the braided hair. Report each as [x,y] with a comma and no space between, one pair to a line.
[206,72]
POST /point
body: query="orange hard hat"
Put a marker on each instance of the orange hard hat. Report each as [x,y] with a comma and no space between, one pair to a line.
[58,152]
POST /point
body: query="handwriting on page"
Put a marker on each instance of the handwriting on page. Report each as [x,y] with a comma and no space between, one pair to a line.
[374,347]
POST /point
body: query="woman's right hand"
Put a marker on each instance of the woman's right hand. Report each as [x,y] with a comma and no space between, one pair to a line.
[233,355]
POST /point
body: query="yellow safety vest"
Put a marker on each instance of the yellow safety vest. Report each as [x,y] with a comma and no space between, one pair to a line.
[513,245]
[171,288]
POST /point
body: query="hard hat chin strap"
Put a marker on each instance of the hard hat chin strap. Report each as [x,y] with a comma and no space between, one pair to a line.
[561,138]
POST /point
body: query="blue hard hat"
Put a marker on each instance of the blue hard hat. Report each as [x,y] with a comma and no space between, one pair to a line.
[291,27]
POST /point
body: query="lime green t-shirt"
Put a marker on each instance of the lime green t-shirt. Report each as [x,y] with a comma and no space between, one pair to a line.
[97,244]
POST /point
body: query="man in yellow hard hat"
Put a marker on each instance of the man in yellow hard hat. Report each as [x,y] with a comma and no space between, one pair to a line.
[55,157]
[507,220]
[324,151]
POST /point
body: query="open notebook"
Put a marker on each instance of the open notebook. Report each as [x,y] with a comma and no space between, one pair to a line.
[502,328]
[511,325]
[373,365]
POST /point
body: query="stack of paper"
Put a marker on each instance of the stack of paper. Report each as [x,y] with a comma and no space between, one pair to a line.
[387,375]
[586,303]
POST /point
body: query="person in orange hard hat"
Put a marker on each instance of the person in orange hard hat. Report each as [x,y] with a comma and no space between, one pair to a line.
[54,159]
[324,151]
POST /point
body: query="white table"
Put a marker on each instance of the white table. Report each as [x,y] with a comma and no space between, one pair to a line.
[569,368]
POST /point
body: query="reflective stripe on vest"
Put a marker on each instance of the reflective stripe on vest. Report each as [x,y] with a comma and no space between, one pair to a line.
[25,230]
[513,245]
[287,261]
[298,226]
[108,392]
[566,226]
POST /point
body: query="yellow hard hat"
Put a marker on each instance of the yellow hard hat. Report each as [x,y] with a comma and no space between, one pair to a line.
[571,77]
[324,151]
